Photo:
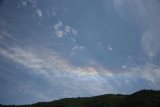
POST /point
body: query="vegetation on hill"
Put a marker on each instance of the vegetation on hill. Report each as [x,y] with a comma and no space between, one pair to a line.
[143,98]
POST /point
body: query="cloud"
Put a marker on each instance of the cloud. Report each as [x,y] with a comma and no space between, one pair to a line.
[148,72]
[39,12]
[145,13]
[76,48]
[72,81]
[124,67]
[62,30]
[50,62]
[51,66]
[31,59]
[47,61]
[24,3]
[4,34]
[152,73]
[32,4]
[110,48]
[67,80]
[151,42]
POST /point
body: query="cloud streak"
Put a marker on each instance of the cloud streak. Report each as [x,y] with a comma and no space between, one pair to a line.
[50,64]
[78,81]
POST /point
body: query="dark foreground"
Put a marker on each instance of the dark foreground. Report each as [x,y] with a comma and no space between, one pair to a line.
[143,98]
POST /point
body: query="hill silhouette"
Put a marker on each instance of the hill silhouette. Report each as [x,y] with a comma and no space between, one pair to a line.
[143,98]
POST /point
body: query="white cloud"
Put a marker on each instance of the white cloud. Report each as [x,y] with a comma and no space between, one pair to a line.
[107,48]
[76,48]
[110,48]
[33,3]
[148,72]
[152,73]
[39,12]
[124,67]
[24,3]
[62,30]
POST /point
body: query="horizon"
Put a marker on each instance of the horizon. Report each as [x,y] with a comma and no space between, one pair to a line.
[56,49]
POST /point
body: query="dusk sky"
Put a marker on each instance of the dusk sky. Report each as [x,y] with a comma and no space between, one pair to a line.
[53,49]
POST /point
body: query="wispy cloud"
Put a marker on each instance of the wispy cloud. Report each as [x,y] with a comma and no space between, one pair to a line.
[76,48]
[31,3]
[146,15]
[62,30]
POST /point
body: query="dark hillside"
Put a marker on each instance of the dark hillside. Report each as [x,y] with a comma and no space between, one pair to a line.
[143,98]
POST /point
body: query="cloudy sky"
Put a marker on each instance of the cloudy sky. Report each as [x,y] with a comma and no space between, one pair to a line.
[52,49]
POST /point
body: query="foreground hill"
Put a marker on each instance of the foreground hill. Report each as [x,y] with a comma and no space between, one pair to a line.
[143,98]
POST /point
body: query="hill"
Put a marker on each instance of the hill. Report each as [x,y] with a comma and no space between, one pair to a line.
[143,98]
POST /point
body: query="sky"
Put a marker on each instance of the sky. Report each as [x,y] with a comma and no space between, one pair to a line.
[53,49]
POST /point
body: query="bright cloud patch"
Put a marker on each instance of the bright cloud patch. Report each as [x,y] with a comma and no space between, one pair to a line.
[61,30]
